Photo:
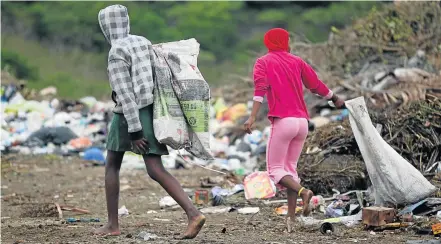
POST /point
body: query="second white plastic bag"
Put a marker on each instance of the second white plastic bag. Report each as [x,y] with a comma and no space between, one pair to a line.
[395,181]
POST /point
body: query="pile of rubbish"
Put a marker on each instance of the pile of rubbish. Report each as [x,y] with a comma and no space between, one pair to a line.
[400,84]
[51,126]
[399,77]
[413,131]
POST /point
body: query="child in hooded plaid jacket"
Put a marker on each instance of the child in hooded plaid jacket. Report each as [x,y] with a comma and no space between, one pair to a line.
[130,75]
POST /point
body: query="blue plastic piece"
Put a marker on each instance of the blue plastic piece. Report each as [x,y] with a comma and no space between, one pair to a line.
[94,154]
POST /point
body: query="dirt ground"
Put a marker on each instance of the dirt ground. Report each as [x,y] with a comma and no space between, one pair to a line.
[28,181]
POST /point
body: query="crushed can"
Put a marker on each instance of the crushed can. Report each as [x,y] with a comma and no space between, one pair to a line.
[327,228]
[201,197]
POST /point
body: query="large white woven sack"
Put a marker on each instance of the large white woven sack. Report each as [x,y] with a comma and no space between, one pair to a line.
[192,92]
[169,123]
[395,181]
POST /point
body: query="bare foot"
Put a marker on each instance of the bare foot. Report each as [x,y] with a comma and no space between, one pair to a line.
[290,224]
[306,198]
[194,226]
[107,230]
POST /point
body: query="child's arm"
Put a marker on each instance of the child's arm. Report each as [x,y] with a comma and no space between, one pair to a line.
[261,84]
[121,83]
[313,83]
[260,89]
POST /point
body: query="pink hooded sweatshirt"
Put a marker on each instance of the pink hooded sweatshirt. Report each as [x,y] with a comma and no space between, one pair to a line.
[281,76]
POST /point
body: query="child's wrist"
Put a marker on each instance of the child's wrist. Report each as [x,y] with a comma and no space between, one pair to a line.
[134,136]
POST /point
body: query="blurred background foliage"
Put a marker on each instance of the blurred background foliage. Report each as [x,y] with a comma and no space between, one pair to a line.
[61,44]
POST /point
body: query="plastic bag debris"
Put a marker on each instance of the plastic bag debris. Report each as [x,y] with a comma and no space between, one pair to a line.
[254,138]
[216,210]
[123,211]
[394,179]
[168,202]
[248,210]
[55,135]
[94,154]
[317,202]
[132,161]
[226,192]
[258,185]
[235,112]
[80,143]
[147,236]
[335,209]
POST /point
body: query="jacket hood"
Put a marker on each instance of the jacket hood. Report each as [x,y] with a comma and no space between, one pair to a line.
[114,22]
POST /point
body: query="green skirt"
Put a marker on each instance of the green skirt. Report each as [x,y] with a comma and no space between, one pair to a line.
[118,137]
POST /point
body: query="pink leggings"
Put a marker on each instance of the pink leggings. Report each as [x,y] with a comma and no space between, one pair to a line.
[285,146]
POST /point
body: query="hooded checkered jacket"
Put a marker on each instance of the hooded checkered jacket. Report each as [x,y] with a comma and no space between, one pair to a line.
[129,66]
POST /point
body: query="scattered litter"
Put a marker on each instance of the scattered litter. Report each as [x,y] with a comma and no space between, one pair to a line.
[167,202]
[132,161]
[423,242]
[56,135]
[436,229]
[283,210]
[83,220]
[162,220]
[377,216]
[248,210]
[317,202]
[216,210]
[94,154]
[201,197]
[143,235]
[438,215]
[258,185]
[309,222]
[335,209]
[218,191]
[327,228]
[123,211]
[80,143]
[403,104]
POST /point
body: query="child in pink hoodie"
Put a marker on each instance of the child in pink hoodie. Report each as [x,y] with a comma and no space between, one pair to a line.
[280,76]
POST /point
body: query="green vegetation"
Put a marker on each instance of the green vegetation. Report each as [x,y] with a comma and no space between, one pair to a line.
[61,44]
[87,69]
[18,66]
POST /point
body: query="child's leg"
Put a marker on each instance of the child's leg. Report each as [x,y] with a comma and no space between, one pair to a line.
[294,152]
[277,149]
[284,131]
[292,205]
[113,165]
[306,195]
[157,172]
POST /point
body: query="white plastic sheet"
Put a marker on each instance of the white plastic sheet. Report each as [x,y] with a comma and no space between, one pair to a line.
[395,181]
